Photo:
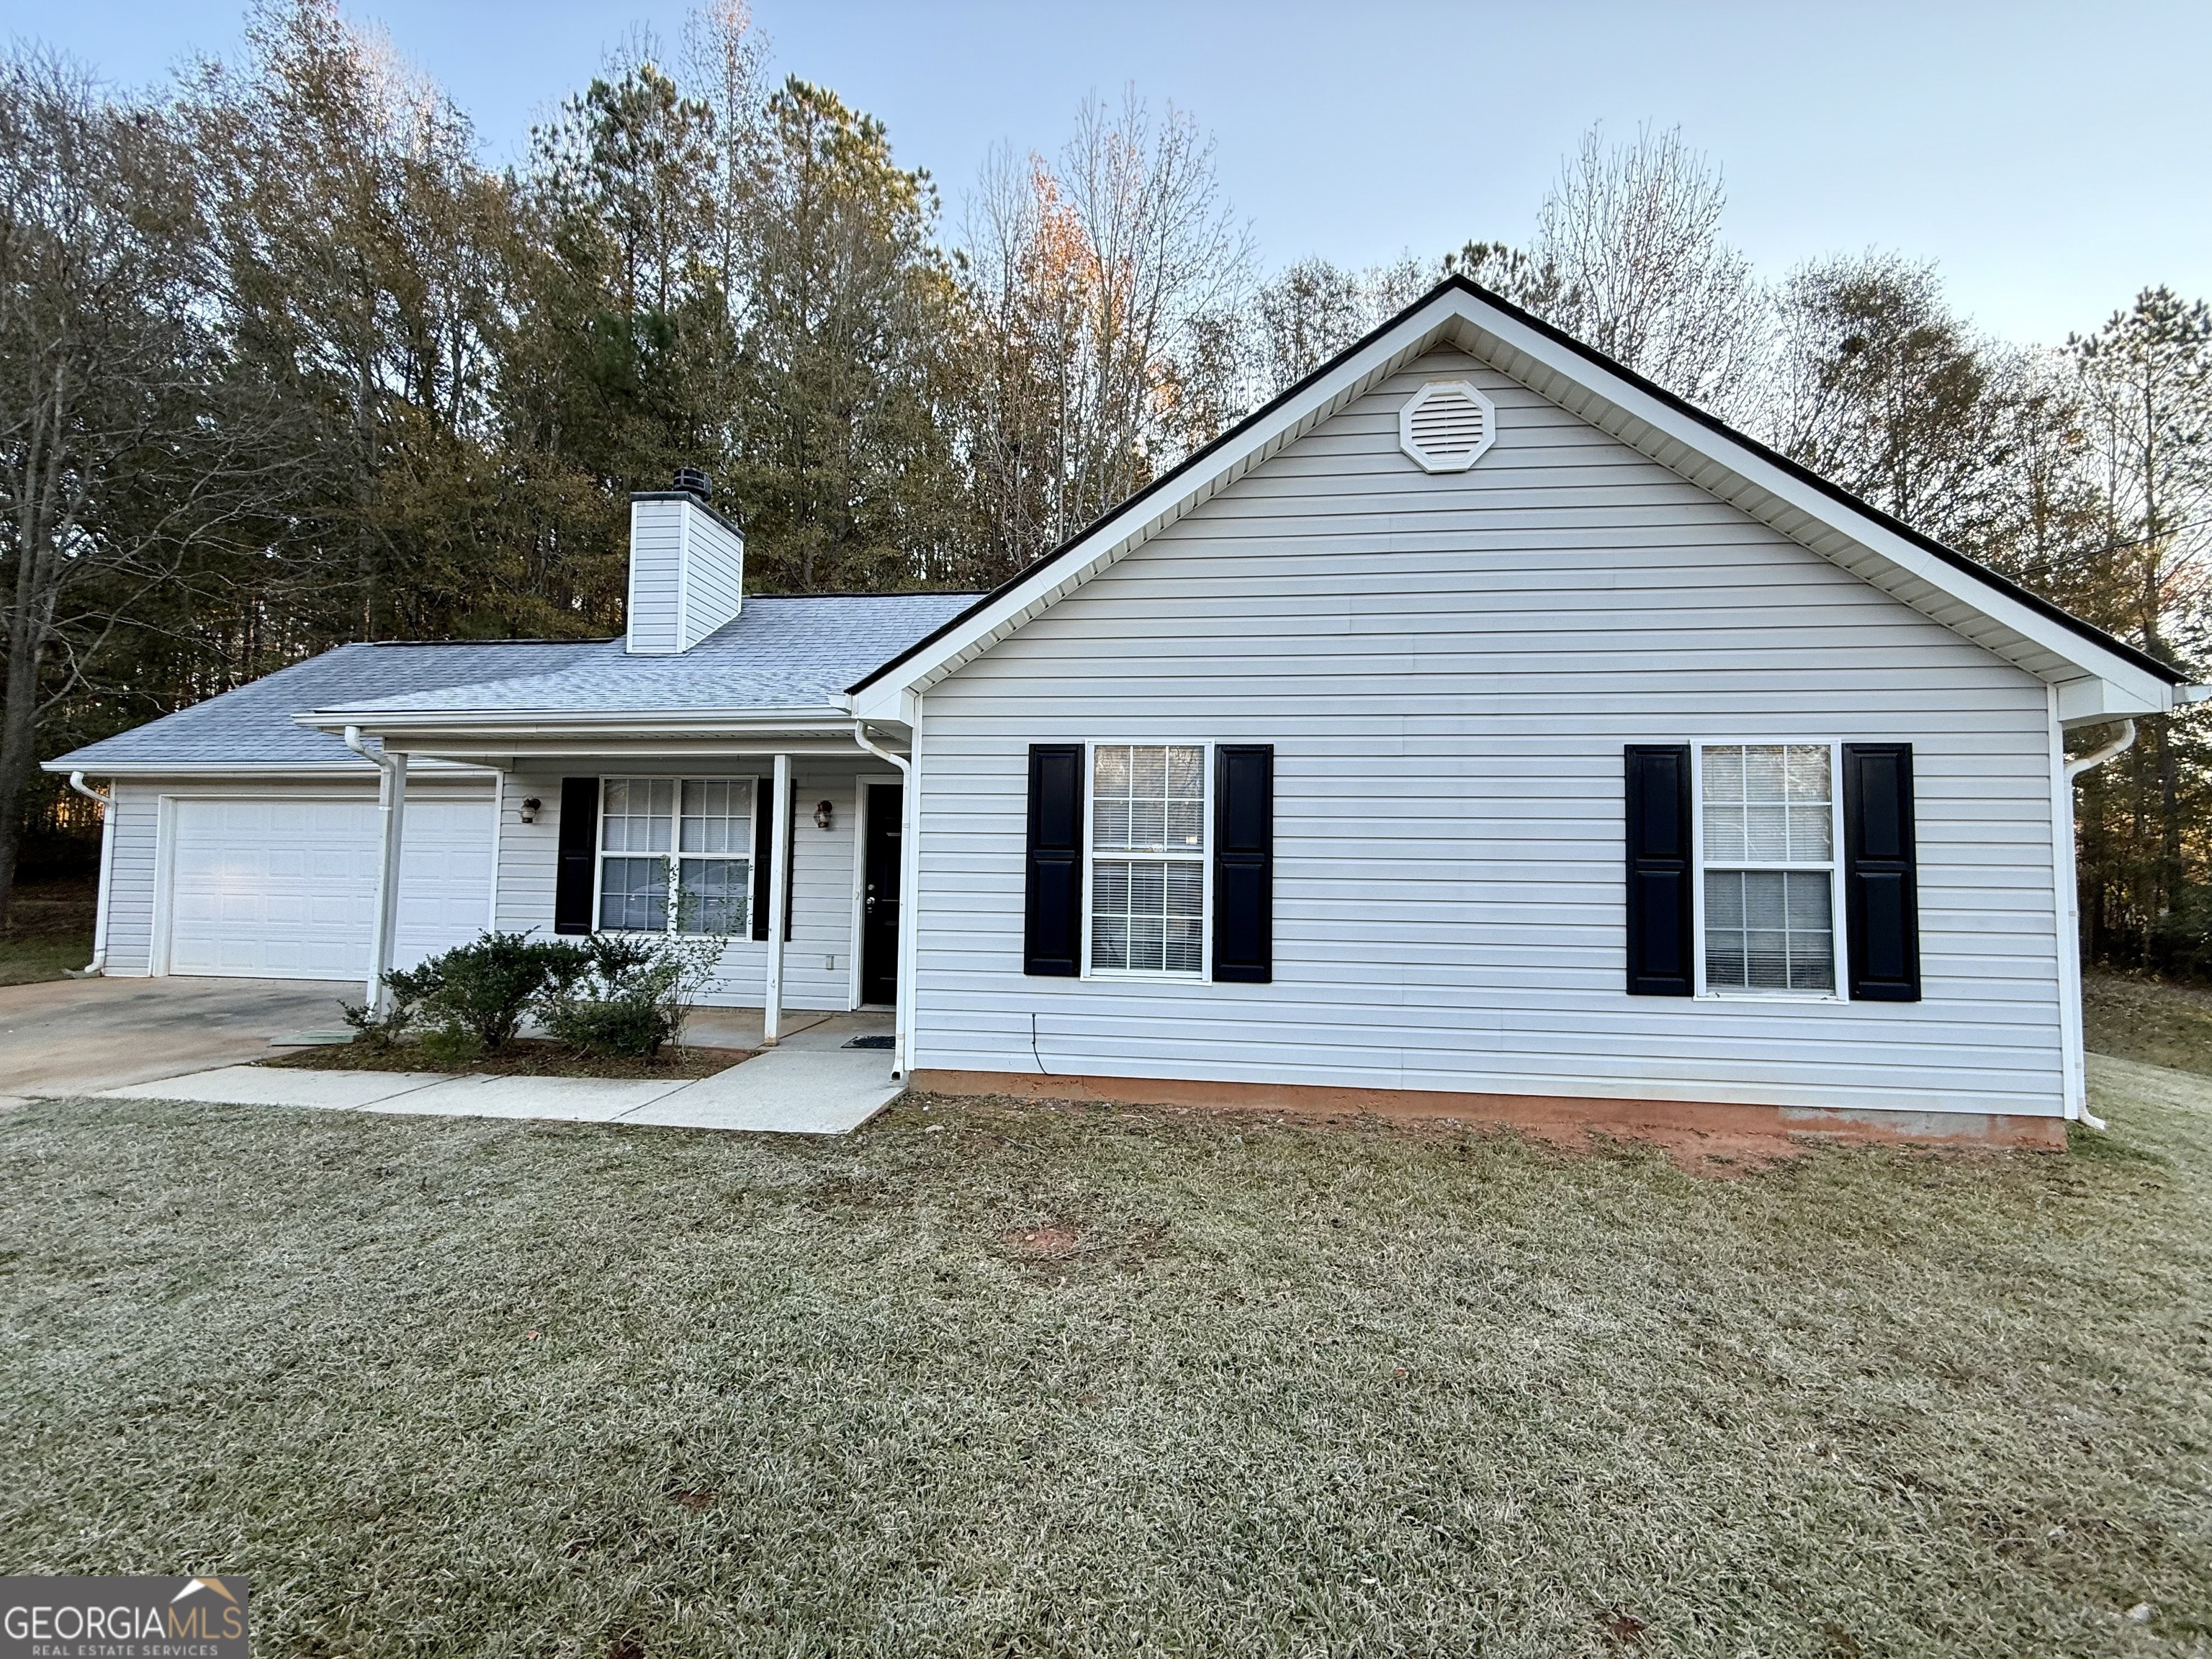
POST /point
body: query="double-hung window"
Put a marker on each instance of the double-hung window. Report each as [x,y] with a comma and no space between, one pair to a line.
[688,836]
[1767,839]
[1148,865]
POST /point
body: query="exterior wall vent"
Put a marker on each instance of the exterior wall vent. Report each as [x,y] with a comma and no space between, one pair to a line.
[1447,425]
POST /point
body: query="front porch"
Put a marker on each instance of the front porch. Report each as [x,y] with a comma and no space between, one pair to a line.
[789,845]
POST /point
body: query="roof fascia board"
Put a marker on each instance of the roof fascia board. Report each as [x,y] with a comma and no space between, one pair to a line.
[884,694]
[1737,474]
[512,753]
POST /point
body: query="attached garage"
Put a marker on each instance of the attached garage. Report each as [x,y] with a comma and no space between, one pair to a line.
[270,887]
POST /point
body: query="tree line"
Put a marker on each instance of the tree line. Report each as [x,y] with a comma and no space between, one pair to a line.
[284,363]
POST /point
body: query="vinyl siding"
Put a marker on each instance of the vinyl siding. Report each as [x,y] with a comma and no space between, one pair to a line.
[816,959]
[656,575]
[130,882]
[1449,666]
[714,579]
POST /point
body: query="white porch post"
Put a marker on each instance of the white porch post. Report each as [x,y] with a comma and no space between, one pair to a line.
[909,941]
[392,801]
[779,883]
[902,994]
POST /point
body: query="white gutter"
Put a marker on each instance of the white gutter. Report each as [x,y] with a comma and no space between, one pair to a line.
[94,969]
[766,722]
[909,866]
[257,769]
[2075,768]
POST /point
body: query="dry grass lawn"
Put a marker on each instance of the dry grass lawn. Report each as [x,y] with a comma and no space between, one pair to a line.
[2149,1020]
[988,1380]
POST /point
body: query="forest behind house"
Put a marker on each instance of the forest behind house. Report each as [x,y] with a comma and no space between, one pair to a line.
[284,363]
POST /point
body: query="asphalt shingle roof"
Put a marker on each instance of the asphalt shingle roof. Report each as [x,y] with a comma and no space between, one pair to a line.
[781,653]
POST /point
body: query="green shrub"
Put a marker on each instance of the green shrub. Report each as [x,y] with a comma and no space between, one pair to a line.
[627,995]
[471,998]
[449,1047]
[378,1031]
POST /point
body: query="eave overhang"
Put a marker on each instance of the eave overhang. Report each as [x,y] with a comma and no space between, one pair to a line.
[268,771]
[496,736]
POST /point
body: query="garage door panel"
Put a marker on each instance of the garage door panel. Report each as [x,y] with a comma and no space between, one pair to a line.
[445,878]
[286,888]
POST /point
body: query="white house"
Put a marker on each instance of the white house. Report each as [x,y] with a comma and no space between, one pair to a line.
[1476,730]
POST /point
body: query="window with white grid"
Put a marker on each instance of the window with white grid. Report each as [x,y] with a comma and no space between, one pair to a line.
[1768,846]
[698,831]
[1148,864]
[713,840]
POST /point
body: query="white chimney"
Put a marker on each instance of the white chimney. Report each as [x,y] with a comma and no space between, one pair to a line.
[687,568]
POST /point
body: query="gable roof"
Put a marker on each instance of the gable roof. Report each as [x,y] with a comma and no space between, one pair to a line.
[781,653]
[2098,675]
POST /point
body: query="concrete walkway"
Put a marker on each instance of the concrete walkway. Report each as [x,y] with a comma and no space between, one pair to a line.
[810,1083]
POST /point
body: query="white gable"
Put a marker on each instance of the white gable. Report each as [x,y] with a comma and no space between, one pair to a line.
[2097,677]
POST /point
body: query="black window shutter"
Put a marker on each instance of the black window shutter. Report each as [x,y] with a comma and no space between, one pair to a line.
[575,873]
[1244,863]
[1882,881]
[1052,927]
[763,853]
[1661,908]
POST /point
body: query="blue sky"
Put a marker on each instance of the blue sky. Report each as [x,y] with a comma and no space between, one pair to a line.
[2044,155]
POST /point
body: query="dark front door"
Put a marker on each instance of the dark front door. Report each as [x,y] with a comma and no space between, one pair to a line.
[880,895]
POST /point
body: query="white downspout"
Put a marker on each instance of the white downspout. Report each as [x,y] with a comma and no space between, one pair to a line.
[2075,768]
[2097,757]
[391,803]
[94,969]
[909,906]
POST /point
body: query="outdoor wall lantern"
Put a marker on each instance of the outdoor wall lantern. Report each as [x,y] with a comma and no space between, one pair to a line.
[529,809]
[825,816]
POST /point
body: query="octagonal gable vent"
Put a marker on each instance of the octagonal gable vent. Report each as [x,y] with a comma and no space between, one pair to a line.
[1447,425]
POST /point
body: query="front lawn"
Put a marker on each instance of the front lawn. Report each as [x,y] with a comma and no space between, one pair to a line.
[2154,1021]
[986,1379]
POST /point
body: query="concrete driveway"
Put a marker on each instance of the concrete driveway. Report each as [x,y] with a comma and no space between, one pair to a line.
[87,1035]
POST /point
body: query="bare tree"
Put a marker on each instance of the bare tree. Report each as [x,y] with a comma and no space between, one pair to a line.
[1315,309]
[2147,383]
[2145,391]
[1100,292]
[1876,383]
[1629,259]
[724,59]
[119,461]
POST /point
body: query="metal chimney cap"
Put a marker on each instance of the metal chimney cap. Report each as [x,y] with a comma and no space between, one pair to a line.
[691,480]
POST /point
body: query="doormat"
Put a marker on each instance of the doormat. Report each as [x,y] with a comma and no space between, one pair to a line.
[871,1041]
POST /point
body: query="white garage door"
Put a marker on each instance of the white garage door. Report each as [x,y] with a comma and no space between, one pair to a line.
[274,889]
